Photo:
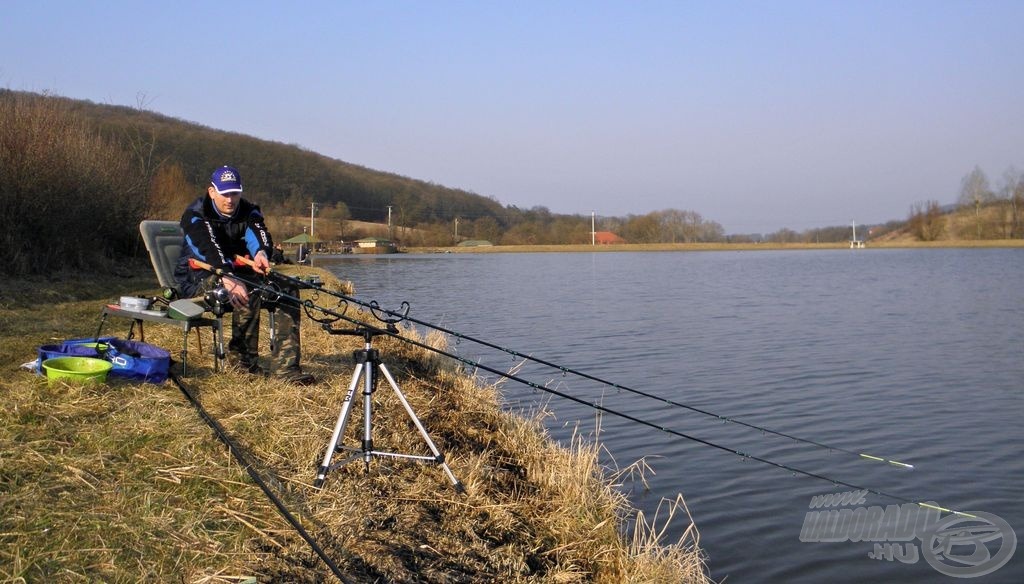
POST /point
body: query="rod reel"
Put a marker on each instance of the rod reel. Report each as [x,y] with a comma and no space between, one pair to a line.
[218,300]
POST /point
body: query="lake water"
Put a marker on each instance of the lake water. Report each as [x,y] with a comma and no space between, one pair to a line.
[912,355]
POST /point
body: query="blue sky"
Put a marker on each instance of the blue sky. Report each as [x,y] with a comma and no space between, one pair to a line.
[758,115]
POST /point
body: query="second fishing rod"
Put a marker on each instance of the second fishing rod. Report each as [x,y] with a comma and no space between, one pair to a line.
[391,318]
[583,375]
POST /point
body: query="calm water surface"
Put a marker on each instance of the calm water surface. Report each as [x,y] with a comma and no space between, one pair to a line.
[915,355]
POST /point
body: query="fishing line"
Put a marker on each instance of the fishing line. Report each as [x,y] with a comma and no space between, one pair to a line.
[661,399]
[333,316]
[567,370]
[604,409]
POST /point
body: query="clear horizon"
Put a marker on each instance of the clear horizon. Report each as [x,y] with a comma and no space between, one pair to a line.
[759,116]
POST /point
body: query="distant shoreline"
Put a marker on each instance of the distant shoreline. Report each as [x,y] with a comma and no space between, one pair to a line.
[995,243]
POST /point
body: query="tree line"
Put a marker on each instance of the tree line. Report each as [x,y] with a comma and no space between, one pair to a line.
[115,165]
[77,177]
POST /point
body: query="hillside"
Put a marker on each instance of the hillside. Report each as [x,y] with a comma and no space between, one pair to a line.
[277,172]
[173,158]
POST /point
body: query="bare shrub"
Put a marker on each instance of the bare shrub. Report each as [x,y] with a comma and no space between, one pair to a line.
[69,198]
[170,192]
[926,220]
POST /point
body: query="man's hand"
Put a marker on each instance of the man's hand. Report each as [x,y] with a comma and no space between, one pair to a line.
[236,292]
[260,263]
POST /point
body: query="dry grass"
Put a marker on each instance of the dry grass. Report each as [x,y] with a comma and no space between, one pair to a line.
[125,483]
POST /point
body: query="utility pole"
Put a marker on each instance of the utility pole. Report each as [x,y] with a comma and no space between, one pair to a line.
[312,208]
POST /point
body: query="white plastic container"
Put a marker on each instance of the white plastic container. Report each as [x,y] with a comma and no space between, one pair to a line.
[134,303]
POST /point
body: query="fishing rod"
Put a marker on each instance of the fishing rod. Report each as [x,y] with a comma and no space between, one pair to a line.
[604,409]
[393,317]
[584,375]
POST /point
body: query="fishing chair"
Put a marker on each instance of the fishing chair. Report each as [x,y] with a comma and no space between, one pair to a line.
[164,240]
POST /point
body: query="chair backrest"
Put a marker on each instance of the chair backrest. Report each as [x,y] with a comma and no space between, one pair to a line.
[163,240]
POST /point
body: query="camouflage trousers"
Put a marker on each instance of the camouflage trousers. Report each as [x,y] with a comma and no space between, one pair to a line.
[286,349]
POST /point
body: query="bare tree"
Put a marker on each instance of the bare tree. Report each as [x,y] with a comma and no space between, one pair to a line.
[1013,193]
[643,228]
[334,218]
[975,192]
[690,224]
[926,221]
[486,228]
[169,192]
[784,235]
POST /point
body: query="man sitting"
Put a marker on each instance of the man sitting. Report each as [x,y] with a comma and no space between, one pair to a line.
[218,226]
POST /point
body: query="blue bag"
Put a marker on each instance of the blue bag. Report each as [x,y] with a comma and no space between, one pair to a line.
[74,348]
[132,360]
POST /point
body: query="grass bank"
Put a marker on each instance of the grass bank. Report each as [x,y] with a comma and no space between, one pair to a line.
[124,482]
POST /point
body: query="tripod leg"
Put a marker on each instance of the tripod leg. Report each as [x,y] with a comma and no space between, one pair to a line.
[218,344]
[368,383]
[273,328]
[339,428]
[438,457]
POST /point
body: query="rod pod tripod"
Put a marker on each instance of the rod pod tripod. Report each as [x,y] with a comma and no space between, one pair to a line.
[368,363]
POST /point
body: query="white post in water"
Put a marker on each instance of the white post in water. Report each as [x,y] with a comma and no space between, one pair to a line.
[593,232]
[855,243]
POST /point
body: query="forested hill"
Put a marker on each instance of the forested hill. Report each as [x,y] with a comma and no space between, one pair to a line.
[167,161]
[112,166]
[275,172]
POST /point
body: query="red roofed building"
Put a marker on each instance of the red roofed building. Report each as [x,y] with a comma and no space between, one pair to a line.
[607,238]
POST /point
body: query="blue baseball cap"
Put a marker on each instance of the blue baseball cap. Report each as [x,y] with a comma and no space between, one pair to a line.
[226,179]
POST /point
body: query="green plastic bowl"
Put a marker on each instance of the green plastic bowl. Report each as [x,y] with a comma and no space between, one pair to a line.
[97,346]
[81,369]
